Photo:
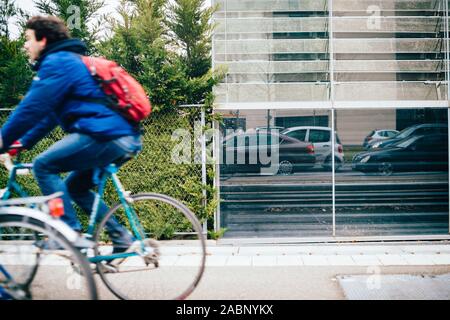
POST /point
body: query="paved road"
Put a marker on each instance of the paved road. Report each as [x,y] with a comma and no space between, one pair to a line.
[289,283]
[289,272]
[258,283]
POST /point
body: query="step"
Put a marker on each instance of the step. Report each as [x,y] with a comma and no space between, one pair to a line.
[341,218]
[274,188]
[320,204]
[322,195]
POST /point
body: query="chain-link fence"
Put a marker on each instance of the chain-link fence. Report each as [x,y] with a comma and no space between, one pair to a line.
[154,169]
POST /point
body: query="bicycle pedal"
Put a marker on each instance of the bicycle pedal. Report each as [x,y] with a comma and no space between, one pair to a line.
[62,254]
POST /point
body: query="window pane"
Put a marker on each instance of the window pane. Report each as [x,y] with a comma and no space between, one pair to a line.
[285,47]
[297,134]
[398,185]
[388,54]
[276,189]
[391,50]
[390,134]
[317,136]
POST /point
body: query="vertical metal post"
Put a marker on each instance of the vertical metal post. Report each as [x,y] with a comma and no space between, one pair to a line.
[215,156]
[447,65]
[226,50]
[203,143]
[333,142]
[216,182]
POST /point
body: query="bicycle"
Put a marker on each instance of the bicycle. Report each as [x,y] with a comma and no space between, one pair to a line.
[164,269]
[25,263]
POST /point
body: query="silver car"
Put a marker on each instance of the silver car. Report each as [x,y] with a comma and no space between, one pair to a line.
[378,135]
[320,138]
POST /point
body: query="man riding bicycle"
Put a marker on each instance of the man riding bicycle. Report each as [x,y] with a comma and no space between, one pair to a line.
[97,135]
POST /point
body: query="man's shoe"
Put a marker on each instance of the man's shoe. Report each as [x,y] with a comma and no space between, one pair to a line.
[149,258]
[131,248]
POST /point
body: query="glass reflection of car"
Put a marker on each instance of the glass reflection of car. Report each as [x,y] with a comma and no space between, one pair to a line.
[419,129]
[320,137]
[416,153]
[378,135]
[293,155]
[260,129]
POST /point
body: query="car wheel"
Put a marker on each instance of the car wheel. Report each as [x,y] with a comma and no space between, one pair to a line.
[385,169]
[285,167]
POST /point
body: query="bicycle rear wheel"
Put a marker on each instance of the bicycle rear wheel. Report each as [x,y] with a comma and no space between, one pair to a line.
[173,260]
[42,263]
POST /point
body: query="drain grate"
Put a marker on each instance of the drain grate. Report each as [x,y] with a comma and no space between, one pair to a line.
[396,287]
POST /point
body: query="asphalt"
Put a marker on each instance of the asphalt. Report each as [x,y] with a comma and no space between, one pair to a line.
[292,283]
[287,272]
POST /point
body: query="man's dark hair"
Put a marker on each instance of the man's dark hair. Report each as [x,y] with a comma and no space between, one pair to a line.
[52,28]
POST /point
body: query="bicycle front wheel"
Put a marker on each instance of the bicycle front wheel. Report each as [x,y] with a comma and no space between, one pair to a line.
[169,254]
[40,263]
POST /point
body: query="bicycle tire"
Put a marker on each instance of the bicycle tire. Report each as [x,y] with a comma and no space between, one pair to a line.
[31,273]
[75,259]
[181,280]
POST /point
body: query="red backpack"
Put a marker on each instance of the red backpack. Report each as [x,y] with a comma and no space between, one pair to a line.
[124,93]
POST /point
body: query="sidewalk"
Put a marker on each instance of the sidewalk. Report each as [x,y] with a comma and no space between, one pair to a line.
[354,254]
[405,270]
[327,271]
[348,254]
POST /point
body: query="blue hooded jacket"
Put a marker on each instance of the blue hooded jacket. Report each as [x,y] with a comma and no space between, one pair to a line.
[62,75]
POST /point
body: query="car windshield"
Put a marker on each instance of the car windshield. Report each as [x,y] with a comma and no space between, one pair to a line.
[405,143]
[404,133]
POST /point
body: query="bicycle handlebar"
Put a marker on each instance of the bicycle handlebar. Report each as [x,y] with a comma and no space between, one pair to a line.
[6,161]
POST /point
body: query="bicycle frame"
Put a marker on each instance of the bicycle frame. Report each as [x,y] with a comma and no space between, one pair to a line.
[12,183]
[100,178]
[5,294]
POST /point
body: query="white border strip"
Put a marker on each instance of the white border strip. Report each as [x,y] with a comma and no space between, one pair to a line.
[403,104]
[291,240]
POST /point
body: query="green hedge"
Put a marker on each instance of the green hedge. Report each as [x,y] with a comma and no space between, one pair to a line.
[151,171]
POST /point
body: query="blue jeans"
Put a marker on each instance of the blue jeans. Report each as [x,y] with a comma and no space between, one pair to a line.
[80,155]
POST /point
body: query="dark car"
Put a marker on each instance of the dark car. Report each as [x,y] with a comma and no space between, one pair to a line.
[260,152]
[416,153]
[416,130]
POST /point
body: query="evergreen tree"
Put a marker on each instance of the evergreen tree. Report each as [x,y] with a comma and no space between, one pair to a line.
[15,74]
[81,17]
[139,45]
[190,31]
[7,10]
[190,26]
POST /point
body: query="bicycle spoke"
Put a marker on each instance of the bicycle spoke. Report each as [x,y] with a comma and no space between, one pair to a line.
[41,273]
[169,268]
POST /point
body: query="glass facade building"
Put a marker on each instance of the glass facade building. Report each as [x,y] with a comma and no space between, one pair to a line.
[372,71]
